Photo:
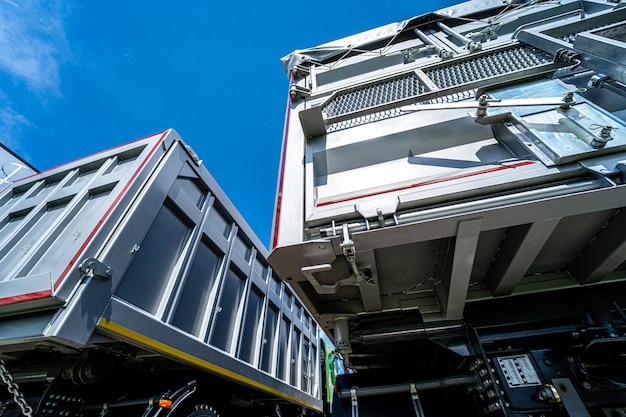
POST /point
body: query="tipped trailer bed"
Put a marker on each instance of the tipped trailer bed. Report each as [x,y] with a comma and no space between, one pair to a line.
[128,277]
[452,209]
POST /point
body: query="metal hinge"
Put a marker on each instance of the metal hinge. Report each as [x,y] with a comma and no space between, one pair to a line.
[299,71]
[297,92]
[194,155]
[93,268]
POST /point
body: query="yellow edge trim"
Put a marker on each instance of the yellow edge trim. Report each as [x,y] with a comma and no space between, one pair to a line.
[168,350]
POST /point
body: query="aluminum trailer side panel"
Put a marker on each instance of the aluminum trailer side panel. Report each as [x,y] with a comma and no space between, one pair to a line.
[400,159]
[455,175]
[136,252]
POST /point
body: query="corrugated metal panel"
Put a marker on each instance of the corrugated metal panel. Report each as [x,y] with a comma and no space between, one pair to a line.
[139,244]
[52,220]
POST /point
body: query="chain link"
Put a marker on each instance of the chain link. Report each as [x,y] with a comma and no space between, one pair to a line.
[14,389]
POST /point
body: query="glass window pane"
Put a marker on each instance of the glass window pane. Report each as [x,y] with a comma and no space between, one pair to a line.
[254,308]
[147,276]
[269,334]
[195,295]
[226,313]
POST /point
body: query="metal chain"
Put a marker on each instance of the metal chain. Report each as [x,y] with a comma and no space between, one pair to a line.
[14,389]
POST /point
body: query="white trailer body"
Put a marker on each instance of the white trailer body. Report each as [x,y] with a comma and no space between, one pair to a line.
[456,182]
[128,273]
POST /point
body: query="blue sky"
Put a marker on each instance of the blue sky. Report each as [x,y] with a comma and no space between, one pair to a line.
[80,77]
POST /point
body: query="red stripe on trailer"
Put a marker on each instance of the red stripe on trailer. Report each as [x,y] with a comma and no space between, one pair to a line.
[424,183]
[281,173]
[48,293]
[109,210]
[25,297]
[88,156]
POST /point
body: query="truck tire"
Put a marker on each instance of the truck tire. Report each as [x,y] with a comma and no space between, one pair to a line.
[203,410]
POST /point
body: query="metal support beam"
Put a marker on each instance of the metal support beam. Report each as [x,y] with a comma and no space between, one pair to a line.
[453,381]
[517,253]
[369,288]
[462,266]
[607,252]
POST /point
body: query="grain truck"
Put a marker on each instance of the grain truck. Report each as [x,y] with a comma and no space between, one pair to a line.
[451,209]
[131,286]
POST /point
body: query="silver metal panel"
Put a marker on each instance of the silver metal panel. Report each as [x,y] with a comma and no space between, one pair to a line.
[143,330]
[464,254]
[171,267]
[607,252]
[605,46]
[370,289]
[517,254]
[23,329]
[54,220]
[404,183]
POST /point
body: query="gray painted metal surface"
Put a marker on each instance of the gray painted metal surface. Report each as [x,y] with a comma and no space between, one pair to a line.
[417,182]
[139,246]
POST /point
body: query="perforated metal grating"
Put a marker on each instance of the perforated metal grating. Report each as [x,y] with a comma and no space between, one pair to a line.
[486,66]
[394,112]
[375,94]
[472,69]
[571,37]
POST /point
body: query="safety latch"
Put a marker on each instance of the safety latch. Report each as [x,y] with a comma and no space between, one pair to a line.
[93,268]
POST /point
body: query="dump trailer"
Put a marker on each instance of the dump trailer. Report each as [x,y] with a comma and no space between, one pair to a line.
[451,208]
[130,286]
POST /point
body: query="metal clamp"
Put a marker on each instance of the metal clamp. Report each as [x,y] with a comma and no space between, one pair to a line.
[603,136]
[93,268]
